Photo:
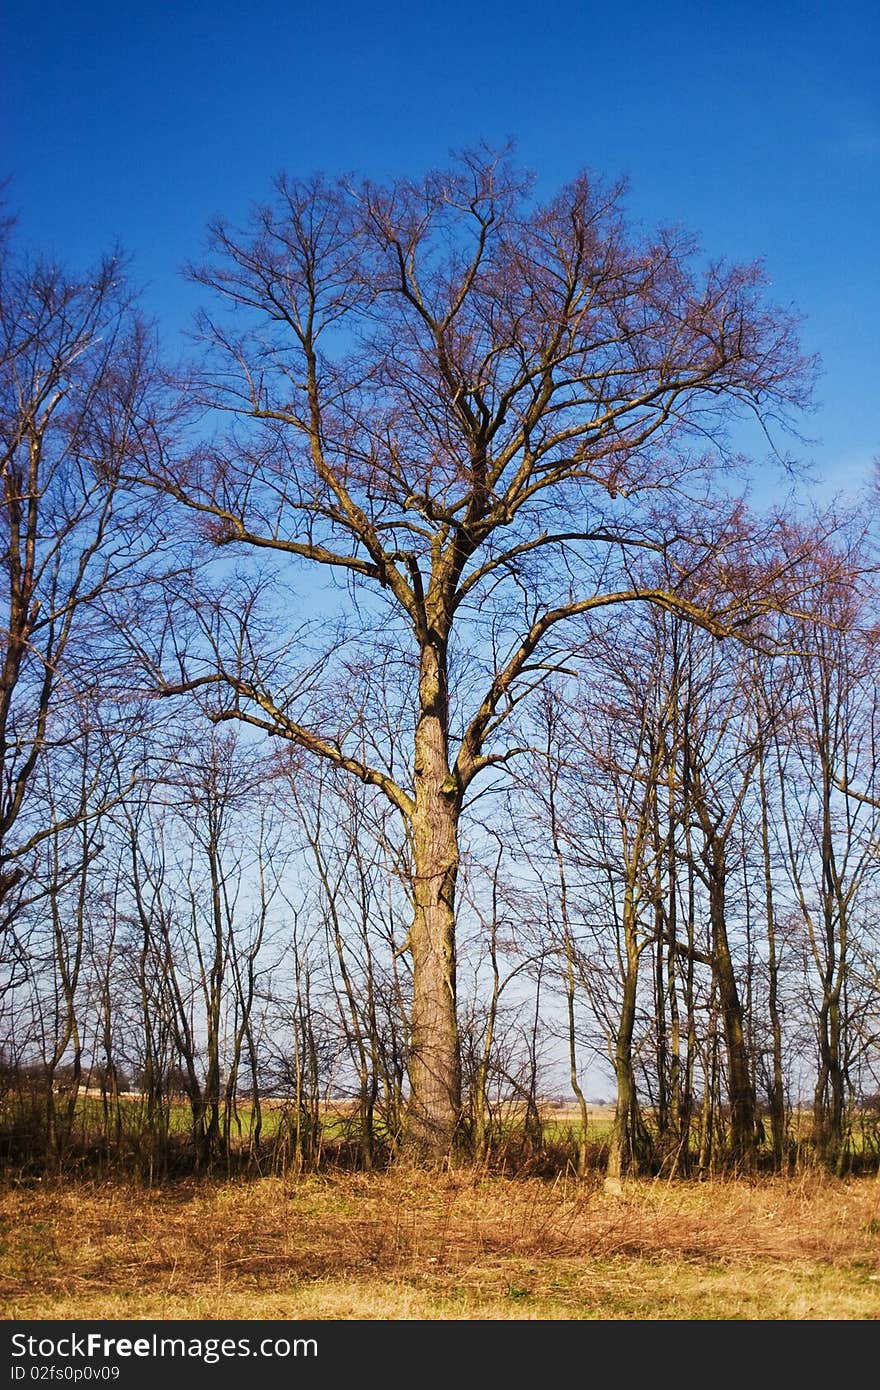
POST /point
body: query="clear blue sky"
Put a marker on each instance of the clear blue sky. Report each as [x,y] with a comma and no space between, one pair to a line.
[757,125]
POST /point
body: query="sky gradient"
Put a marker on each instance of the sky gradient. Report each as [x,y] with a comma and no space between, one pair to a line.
[756,126]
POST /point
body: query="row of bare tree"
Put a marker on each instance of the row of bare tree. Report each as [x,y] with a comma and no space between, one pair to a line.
[400,702]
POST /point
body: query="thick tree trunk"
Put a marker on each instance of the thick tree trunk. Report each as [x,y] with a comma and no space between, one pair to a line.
[434,1107]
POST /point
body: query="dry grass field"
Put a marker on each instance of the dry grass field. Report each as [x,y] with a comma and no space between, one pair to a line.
[396,1247]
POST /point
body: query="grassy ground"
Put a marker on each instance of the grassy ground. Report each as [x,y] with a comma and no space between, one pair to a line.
[457,1247]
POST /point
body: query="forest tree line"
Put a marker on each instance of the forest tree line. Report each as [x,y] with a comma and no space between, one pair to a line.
[401,704]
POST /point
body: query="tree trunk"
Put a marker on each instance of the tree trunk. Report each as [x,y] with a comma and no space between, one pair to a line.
[434,1107]
[739,1082]
[629,1147]
[829,1104]
[777,1077]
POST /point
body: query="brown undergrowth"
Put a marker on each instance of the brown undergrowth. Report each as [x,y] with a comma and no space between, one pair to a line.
[403,1246]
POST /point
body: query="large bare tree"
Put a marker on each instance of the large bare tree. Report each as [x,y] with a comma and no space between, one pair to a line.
[481,412]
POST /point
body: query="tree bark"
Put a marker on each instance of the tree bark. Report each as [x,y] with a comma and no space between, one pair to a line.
[777,1082]
[739,1083]
[434,1107]
[630,1144]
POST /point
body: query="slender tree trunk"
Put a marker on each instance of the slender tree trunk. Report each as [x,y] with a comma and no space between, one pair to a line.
[662,986]
[777,1082]
[710,1093]
[480,1109]
[829,1105]
[212,984]
[569,951]
[684,1066]
[629,1145]
[739,1083]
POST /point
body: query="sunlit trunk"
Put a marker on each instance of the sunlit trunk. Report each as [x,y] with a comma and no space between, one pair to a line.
[630,1144]
[739,1084]
[777,1084]
[434,1108]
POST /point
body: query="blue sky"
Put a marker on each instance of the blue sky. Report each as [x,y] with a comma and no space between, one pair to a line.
[755,125]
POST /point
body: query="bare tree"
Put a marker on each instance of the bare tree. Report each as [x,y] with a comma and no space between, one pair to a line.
[77,388]
[359,880]
[831,836]
[480,413]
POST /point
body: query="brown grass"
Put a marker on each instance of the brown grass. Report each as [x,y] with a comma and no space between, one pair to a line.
[461,1247]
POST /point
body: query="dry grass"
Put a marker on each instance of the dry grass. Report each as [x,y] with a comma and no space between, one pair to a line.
[457,1247]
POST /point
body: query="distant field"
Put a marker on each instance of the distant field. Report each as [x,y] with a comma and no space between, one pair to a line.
[400,1246]
[560,1120]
